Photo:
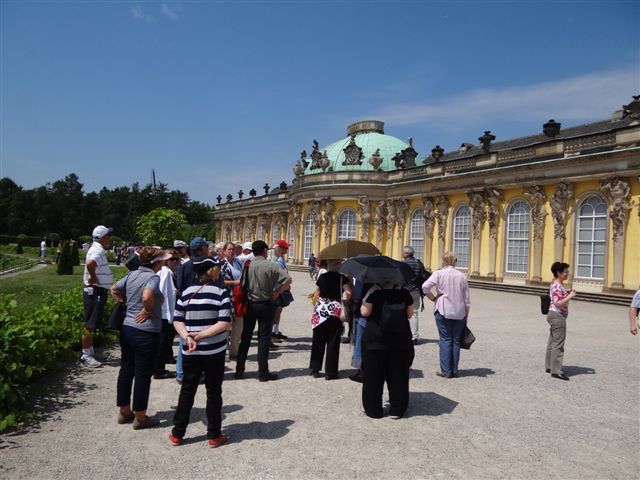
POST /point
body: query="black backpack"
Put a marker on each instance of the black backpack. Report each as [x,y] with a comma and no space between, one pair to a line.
[393,317]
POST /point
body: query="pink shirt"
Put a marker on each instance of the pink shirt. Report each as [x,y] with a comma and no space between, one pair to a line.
[557,292]
[453,289]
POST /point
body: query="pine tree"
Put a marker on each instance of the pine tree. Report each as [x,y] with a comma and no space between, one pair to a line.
[75,255]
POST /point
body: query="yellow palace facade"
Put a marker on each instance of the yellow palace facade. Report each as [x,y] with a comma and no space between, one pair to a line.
[508,209]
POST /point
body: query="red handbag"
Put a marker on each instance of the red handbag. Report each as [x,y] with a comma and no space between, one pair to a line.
[240,300]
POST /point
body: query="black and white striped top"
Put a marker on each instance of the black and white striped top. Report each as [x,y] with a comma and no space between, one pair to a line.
[199,307]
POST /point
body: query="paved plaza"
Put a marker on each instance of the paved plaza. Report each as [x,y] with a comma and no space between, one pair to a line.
[503,418]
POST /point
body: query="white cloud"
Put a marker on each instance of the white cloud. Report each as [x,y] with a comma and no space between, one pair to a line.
[171,12]
[138,13]
[580,98]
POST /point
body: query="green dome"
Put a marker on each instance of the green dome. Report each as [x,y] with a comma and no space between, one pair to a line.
[369,142]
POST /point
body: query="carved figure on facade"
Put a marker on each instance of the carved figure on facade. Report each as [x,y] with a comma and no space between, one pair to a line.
[251,228]
[478,212]
[494,198]
[303,159]
[407,157]
[442,204]
[314,209]
[327,205]
[559,205]
[315,156]
[375,160]
[617,190]
[364,210]
[391,218]
[240,229]
[537,200]
[352,152]
[295,210]
[380,218]
[401,206]
[429,214]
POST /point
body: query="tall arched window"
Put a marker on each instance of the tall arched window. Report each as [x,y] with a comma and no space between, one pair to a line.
[347,225]
[416,233]
[462,235]
[260,235]
[591,234]
[308,235]
[292,239]
[275,232]
[518,221]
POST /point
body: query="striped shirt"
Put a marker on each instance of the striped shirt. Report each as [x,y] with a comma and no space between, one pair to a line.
[200,307]
[103,272]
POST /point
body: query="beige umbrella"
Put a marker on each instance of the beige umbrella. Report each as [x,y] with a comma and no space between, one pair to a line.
[347,249]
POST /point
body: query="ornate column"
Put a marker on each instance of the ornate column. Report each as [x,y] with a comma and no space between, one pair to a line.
[240,229]
[401,217]
[430,216]
[251,228]
[617,191]
[380,221]
[328,208]
[494,200]
[478,216]
[391,222]
[537,200]
[317,224]
[364,210]
[295,213]
[227,231]
[559,211]
[442,204]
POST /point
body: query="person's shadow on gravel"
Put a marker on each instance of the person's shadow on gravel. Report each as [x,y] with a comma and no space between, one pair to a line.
[573,370]
[198,414]
[258,430]
[475,372]
[429,404]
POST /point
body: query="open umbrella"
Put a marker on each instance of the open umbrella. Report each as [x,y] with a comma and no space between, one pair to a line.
[377,269]
[347,249]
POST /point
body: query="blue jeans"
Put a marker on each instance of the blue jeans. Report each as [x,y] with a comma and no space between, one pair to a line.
[450,332]
[179,370]
[356,358]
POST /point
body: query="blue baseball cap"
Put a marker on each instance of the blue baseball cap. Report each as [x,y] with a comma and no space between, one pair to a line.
[198,243]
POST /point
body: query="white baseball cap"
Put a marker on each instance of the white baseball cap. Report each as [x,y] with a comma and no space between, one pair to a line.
[246,246]
[101,231]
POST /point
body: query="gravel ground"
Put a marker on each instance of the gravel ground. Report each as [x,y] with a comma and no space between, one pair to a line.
[503,418]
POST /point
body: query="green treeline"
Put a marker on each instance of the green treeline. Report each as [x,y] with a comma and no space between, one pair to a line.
[65,209]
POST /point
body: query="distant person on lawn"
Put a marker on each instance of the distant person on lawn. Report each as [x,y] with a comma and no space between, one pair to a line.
[97,282]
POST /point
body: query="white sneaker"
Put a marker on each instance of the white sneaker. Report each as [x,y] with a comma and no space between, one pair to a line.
[89,361]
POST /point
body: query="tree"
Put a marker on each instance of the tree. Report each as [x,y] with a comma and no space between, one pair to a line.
[160,226]
[65,264]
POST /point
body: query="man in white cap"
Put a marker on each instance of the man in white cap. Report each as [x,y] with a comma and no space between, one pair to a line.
[181,247]
[97,282]
[247,253]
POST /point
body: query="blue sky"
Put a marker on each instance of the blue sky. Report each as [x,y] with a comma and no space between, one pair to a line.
[218,96]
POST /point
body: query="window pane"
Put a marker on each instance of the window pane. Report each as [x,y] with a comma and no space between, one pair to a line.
[584,271]
[590,246]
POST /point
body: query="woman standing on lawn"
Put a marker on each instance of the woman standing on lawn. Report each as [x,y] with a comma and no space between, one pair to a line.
[140,336]
[202,319]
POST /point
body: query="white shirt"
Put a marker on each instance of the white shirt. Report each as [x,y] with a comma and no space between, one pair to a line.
[103,271]
[43,245]
[452,286]
[169,292]
[243,258]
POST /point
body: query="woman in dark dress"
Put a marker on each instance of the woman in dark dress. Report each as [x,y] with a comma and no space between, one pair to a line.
[387,349]
[325,321]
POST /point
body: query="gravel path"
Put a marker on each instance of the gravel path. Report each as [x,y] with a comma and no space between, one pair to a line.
[503,418]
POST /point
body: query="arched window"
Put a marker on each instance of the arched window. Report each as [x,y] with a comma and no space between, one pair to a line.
[416,233]
[260,235]
[591,237]
[462,235]
[308,235]
[275,232]
[518,221]
[347,225]
[292,239]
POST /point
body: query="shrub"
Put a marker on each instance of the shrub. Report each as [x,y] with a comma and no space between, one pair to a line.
[85,239]
[65,265]
[75,255]
[19,249]
[35,343]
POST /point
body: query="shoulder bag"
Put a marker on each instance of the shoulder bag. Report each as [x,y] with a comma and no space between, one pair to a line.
[118,312]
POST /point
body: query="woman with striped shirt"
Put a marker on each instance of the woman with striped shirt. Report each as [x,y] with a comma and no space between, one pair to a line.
[202,319]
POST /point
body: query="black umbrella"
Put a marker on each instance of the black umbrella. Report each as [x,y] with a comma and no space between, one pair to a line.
[377,269]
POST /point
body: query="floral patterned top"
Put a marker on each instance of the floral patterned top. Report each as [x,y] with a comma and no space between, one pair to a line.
[557,292]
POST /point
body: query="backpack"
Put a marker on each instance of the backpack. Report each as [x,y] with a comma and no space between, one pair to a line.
[393,317]
[240,300]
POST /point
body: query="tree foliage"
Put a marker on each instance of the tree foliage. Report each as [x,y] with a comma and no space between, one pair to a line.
[160,226]
[65,262]
[63,207]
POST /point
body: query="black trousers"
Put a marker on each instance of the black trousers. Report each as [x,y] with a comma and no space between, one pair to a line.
[326,334]
[166,345]
[261,312]
[393,367]
[139,350]
[194,366]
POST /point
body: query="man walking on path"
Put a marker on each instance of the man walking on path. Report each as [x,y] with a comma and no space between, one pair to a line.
[414,287]
[266,281]
[97,282]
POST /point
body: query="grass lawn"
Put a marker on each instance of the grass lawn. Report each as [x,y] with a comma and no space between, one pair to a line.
[30,288]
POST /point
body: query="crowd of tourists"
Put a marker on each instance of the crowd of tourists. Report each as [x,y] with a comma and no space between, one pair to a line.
[212,296]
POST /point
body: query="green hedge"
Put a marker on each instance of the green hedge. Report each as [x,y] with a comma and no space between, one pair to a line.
[35,343]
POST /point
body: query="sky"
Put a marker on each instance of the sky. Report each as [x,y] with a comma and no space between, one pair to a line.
[218,96]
